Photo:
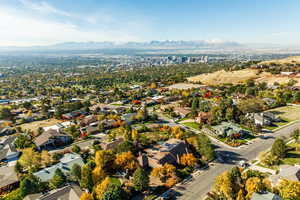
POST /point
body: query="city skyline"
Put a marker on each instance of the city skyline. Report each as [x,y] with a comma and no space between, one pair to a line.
[31,22]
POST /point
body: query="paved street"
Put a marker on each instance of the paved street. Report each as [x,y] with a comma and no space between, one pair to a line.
[197,189]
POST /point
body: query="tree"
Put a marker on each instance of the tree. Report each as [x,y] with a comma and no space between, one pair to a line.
[140,179]
[98,175]
[86,196]
[296,135]
[30,159]
[104,158]
[76,149]
[205,147]
[125,147]
[74,131]
[29,185]
[58,180]
[297,97]
[102,187]
[240,195]
[165,172]
[45,158]
[289,189]
[76,172]
[278,149]
[188,160]
[22,141]
[252,105]
[114,192]
[86,177]
[253,184]
[5,113]
[195,105]
[224,185]
[126,160]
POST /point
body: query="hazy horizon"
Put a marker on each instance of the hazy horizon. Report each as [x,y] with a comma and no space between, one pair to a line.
[32,22]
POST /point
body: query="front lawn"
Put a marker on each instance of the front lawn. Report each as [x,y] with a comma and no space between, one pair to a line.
[292,156]
[193,125]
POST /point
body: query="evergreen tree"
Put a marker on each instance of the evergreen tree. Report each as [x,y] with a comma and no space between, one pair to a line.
[140,179]
[58,180]
[278,148]
[86,177]
[76,172]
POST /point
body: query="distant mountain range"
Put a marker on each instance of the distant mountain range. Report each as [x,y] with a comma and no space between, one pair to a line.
[134,45]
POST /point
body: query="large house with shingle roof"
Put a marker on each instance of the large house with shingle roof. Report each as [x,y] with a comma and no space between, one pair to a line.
[168,152]
[8,151]
[65,165]
[69,192]
[50,139]
[8,179]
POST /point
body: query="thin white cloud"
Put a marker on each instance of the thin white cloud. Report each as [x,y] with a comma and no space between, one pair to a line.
[20,29]
[44,8]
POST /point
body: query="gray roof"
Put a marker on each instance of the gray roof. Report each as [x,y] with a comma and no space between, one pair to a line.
[7,147]
[70,192]
[65,165]
[265,196]
[8,176]
[290,172]
[45,136]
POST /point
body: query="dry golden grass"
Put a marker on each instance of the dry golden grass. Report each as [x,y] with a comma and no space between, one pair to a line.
[288,60]
[33,126]
[279,79]
[223,77]
[241,76]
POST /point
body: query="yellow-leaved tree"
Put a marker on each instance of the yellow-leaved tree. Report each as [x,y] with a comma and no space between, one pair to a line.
[102,187]
[30,159]
[253,184]
[224,185]
[86,196]
[188,160]
[98,175]
[289,189]
[126,160]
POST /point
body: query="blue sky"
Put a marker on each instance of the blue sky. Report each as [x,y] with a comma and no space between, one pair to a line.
[42,22]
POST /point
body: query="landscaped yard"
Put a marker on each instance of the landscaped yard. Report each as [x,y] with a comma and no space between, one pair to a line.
[292,157]
[193,125]
[288,113]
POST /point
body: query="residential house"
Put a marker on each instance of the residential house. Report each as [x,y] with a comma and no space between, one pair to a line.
[128,118]
[59,126]
[265,196]
[8,179]
[88,120]
[168,152]
[4,131]
[112,144]
[65,165]
[226,129]
[69,192]
[288,172]
[264,118]
[51,139]
[8,151]
[183,112]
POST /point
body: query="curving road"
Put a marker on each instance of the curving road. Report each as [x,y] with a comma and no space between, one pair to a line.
[201,184]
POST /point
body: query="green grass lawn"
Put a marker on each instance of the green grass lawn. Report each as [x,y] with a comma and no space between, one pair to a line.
[193,125]
[293,156]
